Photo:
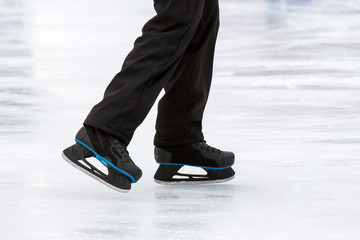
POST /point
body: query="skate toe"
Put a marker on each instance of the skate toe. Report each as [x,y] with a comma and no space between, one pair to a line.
[130,168]
[228,158]
[122,182]
[137,173]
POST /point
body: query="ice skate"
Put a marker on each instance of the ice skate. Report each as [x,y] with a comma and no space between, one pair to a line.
[215,162]
[110,152]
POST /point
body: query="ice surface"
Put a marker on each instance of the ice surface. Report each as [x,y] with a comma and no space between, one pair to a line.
[285,99]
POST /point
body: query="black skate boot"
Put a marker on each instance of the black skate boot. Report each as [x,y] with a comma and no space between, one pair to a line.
[91,142]
[215,162]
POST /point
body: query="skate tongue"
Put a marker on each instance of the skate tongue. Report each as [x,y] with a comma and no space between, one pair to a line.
[209,148]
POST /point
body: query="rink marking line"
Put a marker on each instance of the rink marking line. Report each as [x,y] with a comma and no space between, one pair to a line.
[92,176]
[106,162]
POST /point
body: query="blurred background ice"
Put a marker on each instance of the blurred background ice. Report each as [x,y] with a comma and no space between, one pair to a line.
[285,99]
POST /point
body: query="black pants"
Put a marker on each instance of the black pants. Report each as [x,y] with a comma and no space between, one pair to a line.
[175,52]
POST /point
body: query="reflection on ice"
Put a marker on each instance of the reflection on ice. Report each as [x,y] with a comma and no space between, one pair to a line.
[180,209]
[16,94]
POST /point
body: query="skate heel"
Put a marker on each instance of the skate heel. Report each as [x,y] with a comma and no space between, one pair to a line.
[77,152]
[165,173]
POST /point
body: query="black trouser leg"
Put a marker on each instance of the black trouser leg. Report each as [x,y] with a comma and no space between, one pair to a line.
[147,68]
[180,110]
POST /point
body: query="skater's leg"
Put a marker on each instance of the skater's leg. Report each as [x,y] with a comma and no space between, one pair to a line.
[180,110]
[132,92]
[147,68]
[179,138]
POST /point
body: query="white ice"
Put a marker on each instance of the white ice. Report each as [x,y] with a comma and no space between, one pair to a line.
[285,98]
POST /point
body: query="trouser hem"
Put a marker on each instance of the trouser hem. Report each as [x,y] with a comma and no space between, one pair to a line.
[119,135]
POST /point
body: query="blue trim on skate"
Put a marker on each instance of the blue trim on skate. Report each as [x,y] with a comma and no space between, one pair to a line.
[180,164]
[106,162]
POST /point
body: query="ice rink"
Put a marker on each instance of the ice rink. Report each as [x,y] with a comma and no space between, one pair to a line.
[285,98]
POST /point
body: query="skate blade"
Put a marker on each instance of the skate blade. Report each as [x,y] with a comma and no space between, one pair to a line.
[93,176]
[198,182]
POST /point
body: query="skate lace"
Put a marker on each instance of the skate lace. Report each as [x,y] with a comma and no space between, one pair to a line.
[122,149]
[204,146]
